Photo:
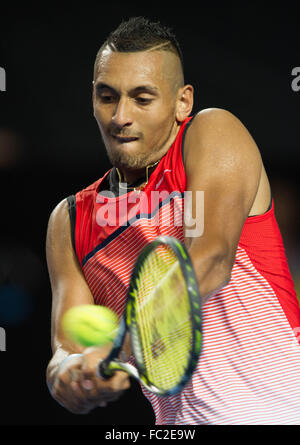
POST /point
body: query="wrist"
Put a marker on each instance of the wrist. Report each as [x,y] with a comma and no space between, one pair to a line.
[65,360]
[54,368]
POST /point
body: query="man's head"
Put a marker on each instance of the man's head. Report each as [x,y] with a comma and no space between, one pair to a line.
[139,95]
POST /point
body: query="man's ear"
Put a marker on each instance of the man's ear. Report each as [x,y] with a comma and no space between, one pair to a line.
[185,102]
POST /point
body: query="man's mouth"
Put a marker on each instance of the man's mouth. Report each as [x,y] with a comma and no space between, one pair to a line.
[124,140]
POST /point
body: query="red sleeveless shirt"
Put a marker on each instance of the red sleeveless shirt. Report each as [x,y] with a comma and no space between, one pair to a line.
[249,369]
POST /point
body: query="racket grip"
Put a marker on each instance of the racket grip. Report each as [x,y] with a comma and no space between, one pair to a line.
[103,370]
[107,368]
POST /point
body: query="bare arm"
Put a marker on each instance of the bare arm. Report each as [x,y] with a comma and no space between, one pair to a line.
[222,160]
[71,373]
[68,284]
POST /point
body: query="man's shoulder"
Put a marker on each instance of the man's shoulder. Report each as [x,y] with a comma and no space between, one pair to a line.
[209,118]
[218,131]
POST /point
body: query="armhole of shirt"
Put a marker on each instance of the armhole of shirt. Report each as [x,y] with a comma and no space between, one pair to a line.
[268,209]
[183,137]
[72,213]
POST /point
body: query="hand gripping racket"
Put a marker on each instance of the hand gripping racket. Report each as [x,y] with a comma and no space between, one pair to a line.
[163,317]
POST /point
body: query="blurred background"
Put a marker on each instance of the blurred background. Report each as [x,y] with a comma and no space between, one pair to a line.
[237,57]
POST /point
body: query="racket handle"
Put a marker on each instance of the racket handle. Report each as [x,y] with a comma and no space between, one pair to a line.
[106,369]
[103,370]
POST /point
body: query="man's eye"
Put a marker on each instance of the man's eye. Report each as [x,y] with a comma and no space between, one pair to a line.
[143,100]
[106,98]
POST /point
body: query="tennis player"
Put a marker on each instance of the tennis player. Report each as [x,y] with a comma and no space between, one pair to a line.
[249,369]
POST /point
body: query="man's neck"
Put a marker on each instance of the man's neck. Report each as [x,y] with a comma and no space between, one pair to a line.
[142,177]
[131,176]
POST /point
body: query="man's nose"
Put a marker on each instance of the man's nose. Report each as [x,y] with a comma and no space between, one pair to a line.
[122,116]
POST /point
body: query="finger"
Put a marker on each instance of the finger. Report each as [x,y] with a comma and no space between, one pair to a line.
[88,390]
[66,402]
[68,374]
[74,401]
[69,393]
[88,385]
[83,395]
[119,381]
[91,359]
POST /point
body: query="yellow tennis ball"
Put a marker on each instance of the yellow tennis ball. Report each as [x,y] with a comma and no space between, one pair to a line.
[90,325]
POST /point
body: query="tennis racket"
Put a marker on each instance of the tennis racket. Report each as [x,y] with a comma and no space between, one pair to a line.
[163,317]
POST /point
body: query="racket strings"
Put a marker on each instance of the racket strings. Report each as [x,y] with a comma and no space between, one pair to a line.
[163,312]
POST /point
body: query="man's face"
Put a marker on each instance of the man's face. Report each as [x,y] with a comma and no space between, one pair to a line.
[134,101]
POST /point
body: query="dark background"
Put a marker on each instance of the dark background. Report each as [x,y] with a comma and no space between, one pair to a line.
[238,57]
